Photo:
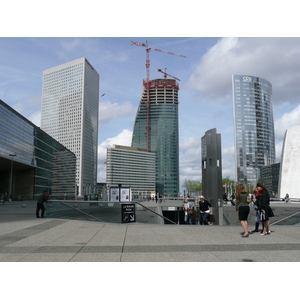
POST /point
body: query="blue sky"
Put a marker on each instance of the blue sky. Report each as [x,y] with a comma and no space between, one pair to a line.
[205,94]
[37,43]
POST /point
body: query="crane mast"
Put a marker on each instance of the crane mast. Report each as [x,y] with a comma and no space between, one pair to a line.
[147,86]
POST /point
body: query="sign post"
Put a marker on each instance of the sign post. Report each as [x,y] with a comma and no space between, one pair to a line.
[128,213]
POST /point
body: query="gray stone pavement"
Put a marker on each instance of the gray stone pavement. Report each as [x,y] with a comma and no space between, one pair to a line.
[24,238]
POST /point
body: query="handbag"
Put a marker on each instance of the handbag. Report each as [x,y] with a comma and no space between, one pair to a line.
[249,199]
[211,218]
[190,211]
[262,216]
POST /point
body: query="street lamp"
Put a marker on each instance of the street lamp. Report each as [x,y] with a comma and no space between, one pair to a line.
[11,176]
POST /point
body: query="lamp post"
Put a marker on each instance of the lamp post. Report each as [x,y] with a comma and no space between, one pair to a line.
[11,176]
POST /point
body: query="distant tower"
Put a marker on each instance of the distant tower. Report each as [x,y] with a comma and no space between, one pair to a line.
[253,127]
[212,169]
[163,133]
[290,164]
[70,104]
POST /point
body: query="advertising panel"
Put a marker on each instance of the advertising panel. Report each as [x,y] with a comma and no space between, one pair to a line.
[114,194]
[125,194]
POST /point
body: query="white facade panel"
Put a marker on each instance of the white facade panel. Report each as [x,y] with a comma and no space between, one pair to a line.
[290,164]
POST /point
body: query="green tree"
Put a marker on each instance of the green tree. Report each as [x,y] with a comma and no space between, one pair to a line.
[192,187]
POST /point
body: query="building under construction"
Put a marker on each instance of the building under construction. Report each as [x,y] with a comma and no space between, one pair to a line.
[156,124]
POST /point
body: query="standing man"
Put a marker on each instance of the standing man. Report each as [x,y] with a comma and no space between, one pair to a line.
[205,210]
[40,204]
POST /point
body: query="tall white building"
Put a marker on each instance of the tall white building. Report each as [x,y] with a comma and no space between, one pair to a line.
[290,164]
[70,105]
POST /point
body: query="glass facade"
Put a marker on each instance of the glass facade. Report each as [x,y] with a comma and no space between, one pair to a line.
[40,162]
[270,177]
[70,105]
[131,167]
[163,133]
[253,127]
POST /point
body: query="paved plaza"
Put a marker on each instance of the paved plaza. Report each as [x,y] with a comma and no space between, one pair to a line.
[25,238]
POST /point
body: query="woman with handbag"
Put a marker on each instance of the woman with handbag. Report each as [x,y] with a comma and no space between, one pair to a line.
[242,206]
[264,208]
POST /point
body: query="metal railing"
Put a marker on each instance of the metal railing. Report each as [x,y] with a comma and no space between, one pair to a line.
[287,218]
[73,205]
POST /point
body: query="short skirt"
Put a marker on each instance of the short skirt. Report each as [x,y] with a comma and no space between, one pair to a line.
[243,213]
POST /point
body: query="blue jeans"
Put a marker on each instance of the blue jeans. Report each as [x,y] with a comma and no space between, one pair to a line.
[203,218]
[187,219]
[257,214]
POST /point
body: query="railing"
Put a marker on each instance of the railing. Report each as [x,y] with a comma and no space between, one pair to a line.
[155,212]
[288,220]
[226,220]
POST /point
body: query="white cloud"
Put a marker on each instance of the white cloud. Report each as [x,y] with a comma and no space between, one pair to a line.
[109,111]
[287,120]
[35,118]
[123,138]
[274,59]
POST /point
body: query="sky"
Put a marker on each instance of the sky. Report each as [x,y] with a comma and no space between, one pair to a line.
[205,95]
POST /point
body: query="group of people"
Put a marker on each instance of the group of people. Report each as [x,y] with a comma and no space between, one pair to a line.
[261,204]
[190,214]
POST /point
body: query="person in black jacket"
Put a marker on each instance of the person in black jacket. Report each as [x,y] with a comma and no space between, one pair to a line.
[263,199]
[40,204]
[205,210]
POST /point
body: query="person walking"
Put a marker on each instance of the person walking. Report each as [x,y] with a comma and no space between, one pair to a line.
[187,208]
[264,208]
[40,204]
[205,210]
[242,206]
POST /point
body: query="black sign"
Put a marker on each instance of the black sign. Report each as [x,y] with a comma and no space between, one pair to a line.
[128,213]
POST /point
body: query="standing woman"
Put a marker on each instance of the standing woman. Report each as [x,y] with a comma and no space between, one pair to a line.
[264,207]
[242,206]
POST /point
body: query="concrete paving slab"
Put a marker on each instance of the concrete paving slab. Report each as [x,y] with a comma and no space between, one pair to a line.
[47,257]
[97,257]
[61,240]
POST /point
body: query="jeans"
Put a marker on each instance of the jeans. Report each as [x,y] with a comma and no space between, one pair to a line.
[203,218]
[187,219]
[257,214]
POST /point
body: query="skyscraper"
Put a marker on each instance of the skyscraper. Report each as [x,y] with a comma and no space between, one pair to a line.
[70,102]
[163,132]
[253,127]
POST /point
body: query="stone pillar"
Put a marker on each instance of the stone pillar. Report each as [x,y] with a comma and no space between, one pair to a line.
[212,171]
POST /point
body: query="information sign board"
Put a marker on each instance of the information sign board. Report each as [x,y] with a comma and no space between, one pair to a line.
[128,213]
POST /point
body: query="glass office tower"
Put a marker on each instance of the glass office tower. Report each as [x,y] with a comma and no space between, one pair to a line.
[253,127]
[163,133]
[70,104]
[31,161]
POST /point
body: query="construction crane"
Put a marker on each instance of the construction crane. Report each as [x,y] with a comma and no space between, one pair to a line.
[166,74]
[147,85]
